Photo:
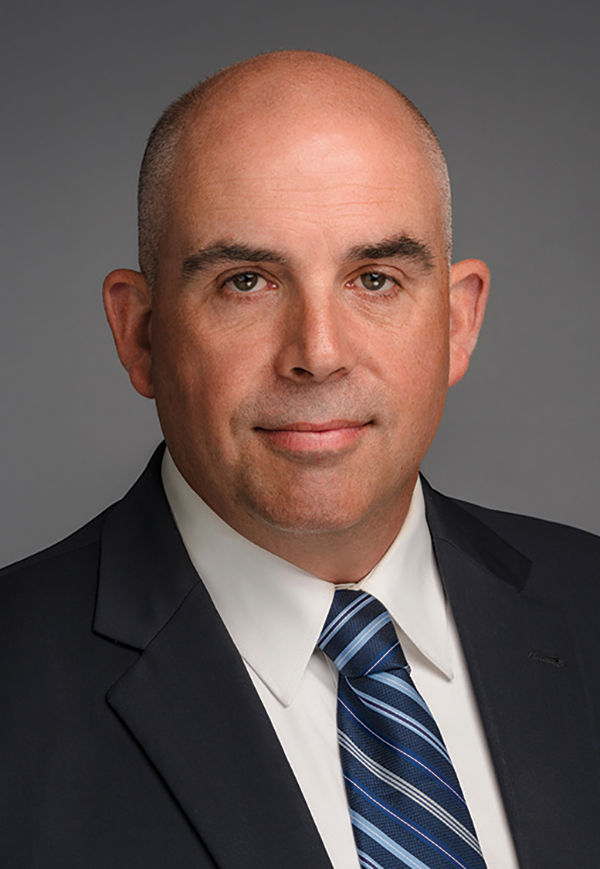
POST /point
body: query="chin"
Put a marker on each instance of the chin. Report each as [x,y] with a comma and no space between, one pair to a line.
[323,503]
[294,515]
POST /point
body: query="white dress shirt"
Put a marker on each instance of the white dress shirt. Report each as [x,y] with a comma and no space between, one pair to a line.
[275,611]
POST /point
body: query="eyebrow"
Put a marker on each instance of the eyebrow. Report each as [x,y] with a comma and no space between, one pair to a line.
[397,247]
[222,252]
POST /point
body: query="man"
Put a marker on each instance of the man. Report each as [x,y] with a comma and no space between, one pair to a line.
[170,693]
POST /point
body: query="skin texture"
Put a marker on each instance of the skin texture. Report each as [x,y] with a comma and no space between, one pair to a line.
[299,399]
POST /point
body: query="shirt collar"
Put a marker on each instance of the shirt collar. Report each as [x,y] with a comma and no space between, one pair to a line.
[407,582]
[275,611]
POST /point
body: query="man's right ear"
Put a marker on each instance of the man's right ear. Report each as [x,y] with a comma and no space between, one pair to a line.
[128,305]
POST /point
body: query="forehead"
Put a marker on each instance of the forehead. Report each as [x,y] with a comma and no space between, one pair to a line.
[340,174]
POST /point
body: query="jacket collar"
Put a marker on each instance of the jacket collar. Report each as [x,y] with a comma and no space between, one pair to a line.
[453,525]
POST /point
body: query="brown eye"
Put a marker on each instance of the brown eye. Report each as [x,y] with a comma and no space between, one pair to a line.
[246,281]
[375,281]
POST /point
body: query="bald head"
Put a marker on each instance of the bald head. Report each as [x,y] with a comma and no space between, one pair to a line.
[261,96]
[305,325]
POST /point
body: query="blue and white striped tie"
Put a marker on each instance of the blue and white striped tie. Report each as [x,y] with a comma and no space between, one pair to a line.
[406,805]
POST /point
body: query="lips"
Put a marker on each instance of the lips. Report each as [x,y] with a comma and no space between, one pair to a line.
[315,437]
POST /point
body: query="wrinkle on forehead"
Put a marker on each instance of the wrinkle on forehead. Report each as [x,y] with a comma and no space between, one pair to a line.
[333,163]
[282,138]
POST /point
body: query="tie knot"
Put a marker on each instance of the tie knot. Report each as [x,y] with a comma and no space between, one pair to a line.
[359,636]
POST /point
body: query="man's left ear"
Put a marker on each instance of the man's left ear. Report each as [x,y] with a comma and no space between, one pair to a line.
[469,287]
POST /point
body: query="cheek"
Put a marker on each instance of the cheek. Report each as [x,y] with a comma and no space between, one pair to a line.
[203,375]
[417,361]
[417,386]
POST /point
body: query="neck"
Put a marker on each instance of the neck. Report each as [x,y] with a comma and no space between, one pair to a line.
[327,549]
[339,556]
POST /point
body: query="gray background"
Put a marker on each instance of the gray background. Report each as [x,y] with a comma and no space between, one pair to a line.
[512,90]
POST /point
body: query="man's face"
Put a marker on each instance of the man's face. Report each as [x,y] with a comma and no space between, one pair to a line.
[300,376]
[300,348]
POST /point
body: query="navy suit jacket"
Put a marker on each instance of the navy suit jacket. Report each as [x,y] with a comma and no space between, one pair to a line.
[132,736]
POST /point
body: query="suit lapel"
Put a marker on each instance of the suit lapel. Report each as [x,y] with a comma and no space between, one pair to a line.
[523,663]
[188,700]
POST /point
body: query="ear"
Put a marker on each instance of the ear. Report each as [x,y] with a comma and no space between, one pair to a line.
[128,305]
[469,286]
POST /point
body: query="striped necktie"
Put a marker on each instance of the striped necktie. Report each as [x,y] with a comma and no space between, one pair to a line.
[406,805]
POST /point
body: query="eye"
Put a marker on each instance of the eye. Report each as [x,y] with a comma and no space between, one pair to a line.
[245,282]
[376,281]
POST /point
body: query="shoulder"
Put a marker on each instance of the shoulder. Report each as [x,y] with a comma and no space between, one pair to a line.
[529,535]
[51,583]
[535,537]
[556,563]
[87,535]
[85,542]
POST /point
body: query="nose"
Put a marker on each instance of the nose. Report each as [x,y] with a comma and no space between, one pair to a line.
[316,340]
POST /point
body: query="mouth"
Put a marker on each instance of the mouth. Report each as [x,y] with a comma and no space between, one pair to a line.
[315,437]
